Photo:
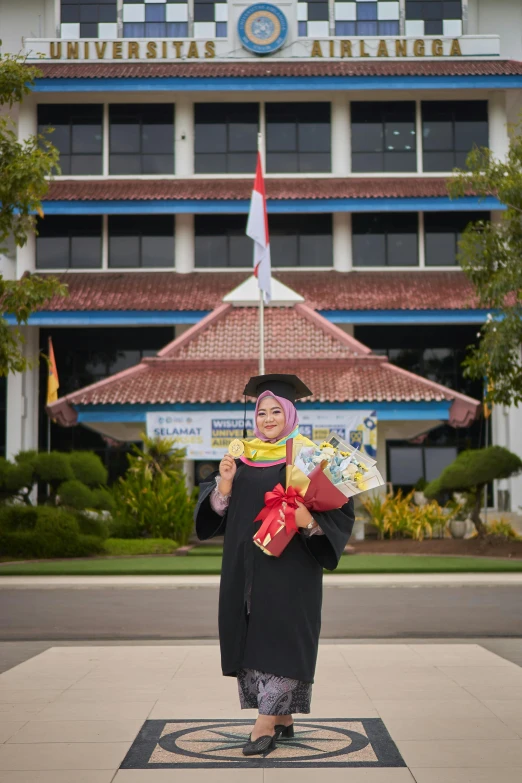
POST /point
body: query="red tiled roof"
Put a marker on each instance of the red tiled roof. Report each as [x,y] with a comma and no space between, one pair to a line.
[209,364]
[272,68]
[241,189]
[323,290]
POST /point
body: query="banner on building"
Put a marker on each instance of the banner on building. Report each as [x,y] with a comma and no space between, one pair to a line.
[206,434]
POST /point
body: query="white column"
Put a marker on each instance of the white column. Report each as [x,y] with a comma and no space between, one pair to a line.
[22,401]
[341,136]
[342,241]
[27,126]
[26,256]
[184,137]
[184,243]
[188,471]
[498,131]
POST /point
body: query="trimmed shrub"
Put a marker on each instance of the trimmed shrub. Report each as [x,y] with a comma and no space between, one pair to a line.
[18,518]
[92,525]
[103,499]
[142,546]
[53,468]
[75,495]
[58,531]
[88,468]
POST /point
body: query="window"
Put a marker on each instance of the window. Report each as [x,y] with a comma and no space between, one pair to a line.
[141,138]
[69,242]
[385,239]
[88,19]
[433,17]
[77,135]
[443,232]
[383,136]
[226,137]
[298,137]
[450,129]
[301,240]
[313,18]
[295,240]
[221,241]
[141,241]
[210,19]
[365,17]
[166,19]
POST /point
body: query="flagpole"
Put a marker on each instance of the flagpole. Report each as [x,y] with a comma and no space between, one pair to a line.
[261,293]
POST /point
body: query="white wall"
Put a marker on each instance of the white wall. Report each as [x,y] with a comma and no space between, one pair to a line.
[498,17]
[25,19]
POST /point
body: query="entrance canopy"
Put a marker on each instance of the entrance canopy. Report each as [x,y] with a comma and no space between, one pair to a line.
[206,368]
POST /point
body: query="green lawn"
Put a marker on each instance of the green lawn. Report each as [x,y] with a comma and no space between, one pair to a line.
[209,563]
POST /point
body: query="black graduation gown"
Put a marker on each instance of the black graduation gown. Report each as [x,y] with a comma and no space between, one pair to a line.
[281,634]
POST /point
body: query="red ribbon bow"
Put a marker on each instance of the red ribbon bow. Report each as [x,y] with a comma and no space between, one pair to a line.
[271,512]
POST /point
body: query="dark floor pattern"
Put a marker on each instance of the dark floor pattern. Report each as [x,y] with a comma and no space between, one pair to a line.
[325,742]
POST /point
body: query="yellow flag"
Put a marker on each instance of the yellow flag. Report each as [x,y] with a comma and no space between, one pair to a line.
[53,384]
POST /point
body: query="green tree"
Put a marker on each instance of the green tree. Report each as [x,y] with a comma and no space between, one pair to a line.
[490,255]
[25,167]
[471,472]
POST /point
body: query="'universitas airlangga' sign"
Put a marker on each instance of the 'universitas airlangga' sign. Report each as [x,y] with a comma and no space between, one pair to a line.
[194,50]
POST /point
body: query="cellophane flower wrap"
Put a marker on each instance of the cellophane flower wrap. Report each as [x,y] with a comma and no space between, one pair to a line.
[323,478]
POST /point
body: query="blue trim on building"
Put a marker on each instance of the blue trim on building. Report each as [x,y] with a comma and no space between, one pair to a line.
[214,206]
[276,84]
[113,317]
[99,318]
[378,317]
[386,411]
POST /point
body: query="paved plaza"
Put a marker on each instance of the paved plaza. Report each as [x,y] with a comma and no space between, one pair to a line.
[152,713]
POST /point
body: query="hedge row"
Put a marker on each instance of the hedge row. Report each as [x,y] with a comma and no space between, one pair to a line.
[46,532]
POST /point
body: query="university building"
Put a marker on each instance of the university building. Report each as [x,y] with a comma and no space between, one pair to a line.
[364,108]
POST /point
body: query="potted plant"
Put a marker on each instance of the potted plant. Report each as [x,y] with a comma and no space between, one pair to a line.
[419,497]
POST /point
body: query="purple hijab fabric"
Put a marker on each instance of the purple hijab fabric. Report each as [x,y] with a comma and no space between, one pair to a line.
[291,417]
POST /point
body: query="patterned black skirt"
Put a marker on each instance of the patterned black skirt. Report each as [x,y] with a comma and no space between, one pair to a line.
[273,695]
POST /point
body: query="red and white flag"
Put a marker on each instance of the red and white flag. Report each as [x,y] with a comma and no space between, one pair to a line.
[257,229]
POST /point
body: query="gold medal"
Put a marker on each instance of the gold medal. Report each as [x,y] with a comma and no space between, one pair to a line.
[236,448]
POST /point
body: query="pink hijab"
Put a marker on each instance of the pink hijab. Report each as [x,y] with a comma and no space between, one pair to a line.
[291,417]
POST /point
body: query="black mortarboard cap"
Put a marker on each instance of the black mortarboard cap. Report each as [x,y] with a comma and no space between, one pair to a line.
[288,386]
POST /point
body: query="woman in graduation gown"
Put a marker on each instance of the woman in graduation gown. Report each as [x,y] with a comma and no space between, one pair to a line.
[269,608]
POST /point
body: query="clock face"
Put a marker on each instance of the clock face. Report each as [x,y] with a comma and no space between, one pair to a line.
[236,448]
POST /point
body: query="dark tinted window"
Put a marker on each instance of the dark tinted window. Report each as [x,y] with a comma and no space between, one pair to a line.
[141,240]
[450,130]
[77,135]
[385,239]
[435,16]
[69,241]
[226,137]
[383,136]
[442,234]
[298,137]
[141,138]
[295,240]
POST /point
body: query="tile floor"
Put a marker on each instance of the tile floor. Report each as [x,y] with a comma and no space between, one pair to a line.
[71,714]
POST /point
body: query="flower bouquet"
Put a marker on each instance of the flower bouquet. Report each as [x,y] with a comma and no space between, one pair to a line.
[321,477]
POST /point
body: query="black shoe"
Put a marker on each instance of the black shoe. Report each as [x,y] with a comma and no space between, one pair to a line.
[287,732]
[261,745]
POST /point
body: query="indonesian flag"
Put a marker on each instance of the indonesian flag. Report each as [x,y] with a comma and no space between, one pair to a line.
[257,229]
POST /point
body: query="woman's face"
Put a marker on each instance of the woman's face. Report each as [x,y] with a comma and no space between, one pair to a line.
[270,418]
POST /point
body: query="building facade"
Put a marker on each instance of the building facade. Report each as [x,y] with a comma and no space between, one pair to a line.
[363,109]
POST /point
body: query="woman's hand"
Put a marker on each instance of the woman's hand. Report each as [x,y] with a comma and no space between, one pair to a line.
[227,471]
[302,515]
